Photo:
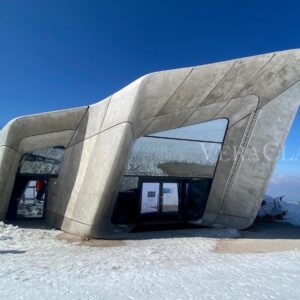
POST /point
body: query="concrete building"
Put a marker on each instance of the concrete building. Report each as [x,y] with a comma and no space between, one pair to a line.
[196,145]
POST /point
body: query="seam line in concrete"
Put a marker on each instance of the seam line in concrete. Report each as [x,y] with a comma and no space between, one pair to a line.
[257,73]
[237,94]
[95,134]
[220,81]
[176,90]
[283,91]
[12,148]
[212,90]
[86,111]
[107,107]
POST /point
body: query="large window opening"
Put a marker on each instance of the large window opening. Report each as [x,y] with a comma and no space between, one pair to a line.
[29,195]
[169,174]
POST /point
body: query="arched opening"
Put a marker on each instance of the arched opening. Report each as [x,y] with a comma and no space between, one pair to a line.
[169,175]
[29,195]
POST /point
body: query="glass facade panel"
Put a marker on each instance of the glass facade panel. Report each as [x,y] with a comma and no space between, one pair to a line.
[212,131]
[170,199]
[168,157]
[42,162]
[180,152]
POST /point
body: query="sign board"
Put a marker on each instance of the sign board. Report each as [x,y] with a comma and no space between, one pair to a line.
[150,197]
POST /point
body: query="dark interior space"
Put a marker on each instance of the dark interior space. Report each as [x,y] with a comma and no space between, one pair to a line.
[187,202]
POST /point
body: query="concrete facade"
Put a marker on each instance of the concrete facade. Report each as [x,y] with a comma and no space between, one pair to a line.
[258,95]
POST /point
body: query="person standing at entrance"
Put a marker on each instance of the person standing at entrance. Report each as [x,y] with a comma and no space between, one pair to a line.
[40,189]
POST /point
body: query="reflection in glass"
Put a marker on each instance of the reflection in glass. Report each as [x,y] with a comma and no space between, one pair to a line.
[44,161]
[170,200]
[166,157]
[190,151]
[212,131]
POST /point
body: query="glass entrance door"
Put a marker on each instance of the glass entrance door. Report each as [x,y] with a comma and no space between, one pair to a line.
[159,198]
[170,199]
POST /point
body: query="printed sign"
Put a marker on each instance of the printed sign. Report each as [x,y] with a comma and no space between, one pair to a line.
[150,197]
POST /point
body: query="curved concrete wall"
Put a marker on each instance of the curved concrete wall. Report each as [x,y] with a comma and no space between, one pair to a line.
[26,134]
[259,96]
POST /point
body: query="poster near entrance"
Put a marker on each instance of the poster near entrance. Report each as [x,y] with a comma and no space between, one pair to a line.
[150,197]
[170,197]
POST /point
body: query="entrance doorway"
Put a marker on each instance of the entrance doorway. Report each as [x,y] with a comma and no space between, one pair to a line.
[159,198]
[28,199]
[29,194]
[180,199]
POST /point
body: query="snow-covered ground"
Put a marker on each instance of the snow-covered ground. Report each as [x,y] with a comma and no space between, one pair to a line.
[34,264]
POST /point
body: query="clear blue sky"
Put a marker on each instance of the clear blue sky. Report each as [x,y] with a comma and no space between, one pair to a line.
[62,54]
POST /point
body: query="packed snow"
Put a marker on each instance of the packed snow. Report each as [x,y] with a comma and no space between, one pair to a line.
[35,265]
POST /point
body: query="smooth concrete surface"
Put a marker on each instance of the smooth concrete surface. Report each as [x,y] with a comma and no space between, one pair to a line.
[28,134]
[259,96]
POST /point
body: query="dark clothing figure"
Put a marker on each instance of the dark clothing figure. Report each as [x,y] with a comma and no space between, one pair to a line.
[40,189]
